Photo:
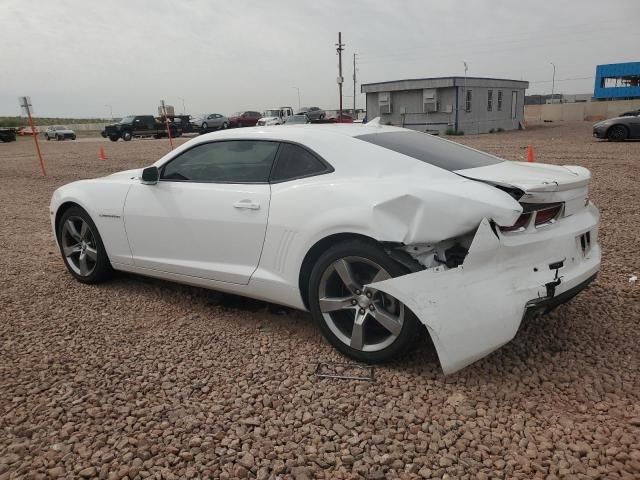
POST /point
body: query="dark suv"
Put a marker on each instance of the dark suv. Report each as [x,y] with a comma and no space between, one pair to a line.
[247,118]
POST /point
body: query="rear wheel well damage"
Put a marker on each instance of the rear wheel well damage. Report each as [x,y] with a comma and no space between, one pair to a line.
[393,249]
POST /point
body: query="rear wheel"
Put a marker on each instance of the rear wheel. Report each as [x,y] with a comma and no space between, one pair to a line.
[617,133]
[47,137]
[82,248]
[363,323]
[114,138]
[225,125]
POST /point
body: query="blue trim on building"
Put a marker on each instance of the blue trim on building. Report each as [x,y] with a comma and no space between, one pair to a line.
[616,70]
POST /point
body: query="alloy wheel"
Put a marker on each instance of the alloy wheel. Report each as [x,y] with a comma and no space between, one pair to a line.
[79,246]
[362,318]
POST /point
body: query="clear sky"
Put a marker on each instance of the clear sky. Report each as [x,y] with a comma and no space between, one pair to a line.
[74,57]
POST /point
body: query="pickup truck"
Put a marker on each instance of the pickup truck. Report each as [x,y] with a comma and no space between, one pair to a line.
[7,135]
[275,116]
[139,126]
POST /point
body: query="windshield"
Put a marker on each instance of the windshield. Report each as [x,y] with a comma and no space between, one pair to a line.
[271,113]
[127,119]
[432,150]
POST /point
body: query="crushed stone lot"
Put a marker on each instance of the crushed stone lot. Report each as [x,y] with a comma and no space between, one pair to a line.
[139,378]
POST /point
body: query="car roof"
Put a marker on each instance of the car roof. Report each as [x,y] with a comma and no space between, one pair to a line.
[297,132]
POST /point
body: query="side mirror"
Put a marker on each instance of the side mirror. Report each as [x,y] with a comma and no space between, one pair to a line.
[150,175]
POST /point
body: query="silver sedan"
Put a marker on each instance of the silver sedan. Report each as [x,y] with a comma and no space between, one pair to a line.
[210,121]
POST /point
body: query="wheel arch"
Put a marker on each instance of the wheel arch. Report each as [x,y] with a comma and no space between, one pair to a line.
[317,250]
[63,207]
[626,129]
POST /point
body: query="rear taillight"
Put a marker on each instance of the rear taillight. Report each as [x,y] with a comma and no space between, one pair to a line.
[547,215]
[522,222]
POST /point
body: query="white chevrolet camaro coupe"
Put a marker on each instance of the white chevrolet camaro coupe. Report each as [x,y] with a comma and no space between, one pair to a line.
[377,231]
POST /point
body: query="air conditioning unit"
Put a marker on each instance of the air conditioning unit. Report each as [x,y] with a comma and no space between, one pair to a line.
[429,100]
[448,108]
[384,102]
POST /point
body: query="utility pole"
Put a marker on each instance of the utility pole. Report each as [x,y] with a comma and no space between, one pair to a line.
[339,49]
[298,97]
[553,82]
[354,87]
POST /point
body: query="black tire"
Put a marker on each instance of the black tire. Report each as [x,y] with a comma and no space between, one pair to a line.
[102,269]
[114,138]
[205,125]
[73,137]
[225,125]
[373,252]
[617,133]
[126,136]
[47,137]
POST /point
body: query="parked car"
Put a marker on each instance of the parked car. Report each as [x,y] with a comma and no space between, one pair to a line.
[22,131]
[182,124]
[139,126]
[620,128]
[7,134]
[297,119]
[632,113]
[435,235]
[210,121]
[59,132]
[275,116]
[248,118]
[344,118]
[313,113]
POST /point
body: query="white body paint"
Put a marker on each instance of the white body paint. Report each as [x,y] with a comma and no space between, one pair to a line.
[192,233]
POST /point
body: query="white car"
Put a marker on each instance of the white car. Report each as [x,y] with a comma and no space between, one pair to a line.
[276,116]
[377,231]
[59,132]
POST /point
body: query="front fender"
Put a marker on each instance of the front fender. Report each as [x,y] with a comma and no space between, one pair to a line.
[104,201]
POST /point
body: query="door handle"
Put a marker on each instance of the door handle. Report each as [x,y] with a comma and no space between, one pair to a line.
[247,204]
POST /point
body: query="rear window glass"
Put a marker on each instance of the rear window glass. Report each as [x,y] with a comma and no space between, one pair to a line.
[432,150]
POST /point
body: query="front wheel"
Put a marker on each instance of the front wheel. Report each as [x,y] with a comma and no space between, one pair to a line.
[81,246]
[114,138]
[363,323]
[617,133]
[225,125]
[126,136]
[47,137]
[205,125]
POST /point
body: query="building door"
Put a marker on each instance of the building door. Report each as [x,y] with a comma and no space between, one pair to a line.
[514,104]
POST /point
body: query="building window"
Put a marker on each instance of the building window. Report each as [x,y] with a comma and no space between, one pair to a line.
[467,106]
[499,100]
[489,100]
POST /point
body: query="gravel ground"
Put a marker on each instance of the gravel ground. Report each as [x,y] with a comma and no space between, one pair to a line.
[142,378]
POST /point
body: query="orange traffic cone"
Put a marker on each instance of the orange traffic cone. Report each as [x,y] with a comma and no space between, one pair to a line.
[101,154]
[530,154]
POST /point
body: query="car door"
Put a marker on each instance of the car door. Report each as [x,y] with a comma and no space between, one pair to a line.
[633,123]
[207,216]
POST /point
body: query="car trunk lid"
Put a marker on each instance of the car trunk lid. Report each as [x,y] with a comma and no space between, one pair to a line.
[540,183]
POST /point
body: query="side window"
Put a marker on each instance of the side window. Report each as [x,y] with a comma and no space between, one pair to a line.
[237,161]
[467,106]
[489,100]
[295,162]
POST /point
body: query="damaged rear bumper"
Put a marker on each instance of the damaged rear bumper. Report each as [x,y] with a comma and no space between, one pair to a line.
[477,307]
